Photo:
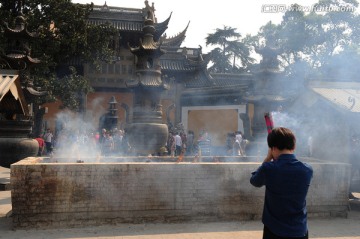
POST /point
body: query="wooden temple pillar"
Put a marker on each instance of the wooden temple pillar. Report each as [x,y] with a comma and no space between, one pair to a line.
[179,88]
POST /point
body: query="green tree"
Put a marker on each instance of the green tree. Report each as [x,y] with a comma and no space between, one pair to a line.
[310,42]
[240,50]
[65,41]
[230,48]
[329,32]
[292,34]
[267,42]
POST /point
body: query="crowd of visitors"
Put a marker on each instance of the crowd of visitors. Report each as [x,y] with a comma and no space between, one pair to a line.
[179,142]
[77,142]
[182,143]
[176,144]
[115,142]
[45,142]
[236,144]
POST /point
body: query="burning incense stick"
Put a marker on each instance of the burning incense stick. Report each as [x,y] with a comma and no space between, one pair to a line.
[269,122]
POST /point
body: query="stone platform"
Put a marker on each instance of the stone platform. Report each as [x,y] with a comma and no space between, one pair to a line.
[73,194]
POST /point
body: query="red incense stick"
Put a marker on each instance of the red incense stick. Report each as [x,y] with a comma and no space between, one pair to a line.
[269,122]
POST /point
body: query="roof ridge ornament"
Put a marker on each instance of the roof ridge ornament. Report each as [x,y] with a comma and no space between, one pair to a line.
[105,7]
[150,11]
[19,6]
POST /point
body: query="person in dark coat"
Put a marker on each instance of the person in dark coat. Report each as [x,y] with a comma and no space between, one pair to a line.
[286,182]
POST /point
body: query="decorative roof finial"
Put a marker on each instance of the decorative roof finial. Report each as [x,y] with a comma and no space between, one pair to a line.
[19,6]
[150,11]
[105,7]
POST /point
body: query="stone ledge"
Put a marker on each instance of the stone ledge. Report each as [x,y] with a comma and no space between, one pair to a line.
[69,194]
[354,204]
[5,187]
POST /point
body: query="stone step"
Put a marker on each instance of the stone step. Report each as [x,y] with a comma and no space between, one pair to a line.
[354,204]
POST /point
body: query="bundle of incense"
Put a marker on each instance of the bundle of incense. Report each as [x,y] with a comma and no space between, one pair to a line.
[180,158]
[269,122]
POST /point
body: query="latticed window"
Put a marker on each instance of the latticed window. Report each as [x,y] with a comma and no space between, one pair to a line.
[91,69]
[117,69]
[104,68]
[123,69]
[111,68]
[130,70]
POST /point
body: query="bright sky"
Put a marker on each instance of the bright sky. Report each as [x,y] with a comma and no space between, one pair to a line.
[205,16]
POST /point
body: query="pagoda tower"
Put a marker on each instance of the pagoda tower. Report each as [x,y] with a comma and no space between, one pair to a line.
[16,120]
[271,90]
[147,133]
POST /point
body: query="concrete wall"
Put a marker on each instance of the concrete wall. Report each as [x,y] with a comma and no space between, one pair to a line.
[59,195]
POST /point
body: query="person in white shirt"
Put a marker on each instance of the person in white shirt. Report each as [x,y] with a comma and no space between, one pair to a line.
[239,139]
[178,144]
[48,138]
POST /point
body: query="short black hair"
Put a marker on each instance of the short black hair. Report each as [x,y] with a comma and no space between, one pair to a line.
[281,138]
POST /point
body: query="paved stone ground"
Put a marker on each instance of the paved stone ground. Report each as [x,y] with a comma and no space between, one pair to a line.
[330,228]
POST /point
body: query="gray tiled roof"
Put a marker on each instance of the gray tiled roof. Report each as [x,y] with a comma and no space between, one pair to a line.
[345,95]
[120,25]
[125,19]
[272,98]
[176,65]
[228,80]
[23,57]
[178,59]
[117,14]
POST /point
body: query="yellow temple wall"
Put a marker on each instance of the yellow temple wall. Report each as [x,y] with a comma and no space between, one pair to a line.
[97,105]
[216,122]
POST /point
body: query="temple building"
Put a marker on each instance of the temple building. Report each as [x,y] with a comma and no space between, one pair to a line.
[200,101]
[16,93]
[186,94]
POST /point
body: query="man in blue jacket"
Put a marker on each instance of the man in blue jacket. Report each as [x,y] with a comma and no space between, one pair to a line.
[286,181]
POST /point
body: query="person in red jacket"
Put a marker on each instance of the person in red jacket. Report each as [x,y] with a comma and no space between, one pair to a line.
[41,145]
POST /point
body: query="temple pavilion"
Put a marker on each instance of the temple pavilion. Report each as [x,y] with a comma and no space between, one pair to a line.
[216,103]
